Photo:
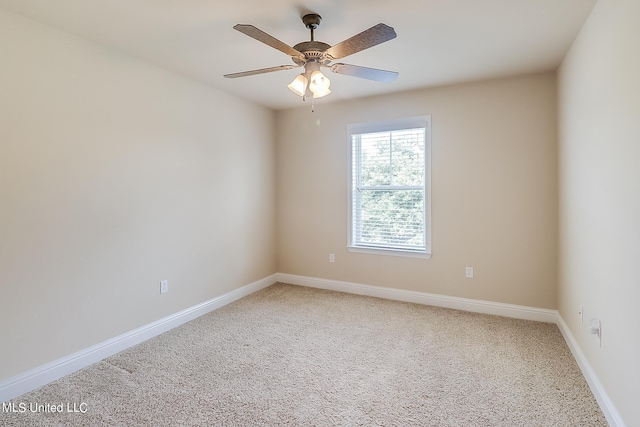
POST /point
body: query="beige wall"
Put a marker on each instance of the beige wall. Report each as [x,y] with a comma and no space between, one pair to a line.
[114,175]
[494,181]
[599,110]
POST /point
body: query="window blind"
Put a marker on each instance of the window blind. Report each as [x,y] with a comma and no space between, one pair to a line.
[388,189]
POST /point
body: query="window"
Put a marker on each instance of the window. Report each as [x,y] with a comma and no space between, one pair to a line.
[390,201]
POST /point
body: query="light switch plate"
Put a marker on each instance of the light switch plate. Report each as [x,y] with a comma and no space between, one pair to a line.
[469,272]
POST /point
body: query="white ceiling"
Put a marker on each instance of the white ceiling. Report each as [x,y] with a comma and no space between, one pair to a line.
[439,41]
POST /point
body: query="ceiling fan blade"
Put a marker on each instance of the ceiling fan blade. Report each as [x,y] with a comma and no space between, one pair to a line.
[265,38]
[368,38]
[260,71]
[364,72]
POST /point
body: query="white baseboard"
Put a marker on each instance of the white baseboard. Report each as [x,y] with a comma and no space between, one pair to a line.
[466,304]
[30,380]
[609,410]
[23,383]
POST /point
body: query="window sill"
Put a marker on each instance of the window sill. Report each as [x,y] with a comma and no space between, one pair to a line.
[389,252]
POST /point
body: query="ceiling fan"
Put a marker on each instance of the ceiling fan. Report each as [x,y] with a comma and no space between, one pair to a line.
[313,55]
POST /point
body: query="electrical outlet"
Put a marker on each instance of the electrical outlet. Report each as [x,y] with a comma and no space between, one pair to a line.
[164,286]
[469,272]
[332,258]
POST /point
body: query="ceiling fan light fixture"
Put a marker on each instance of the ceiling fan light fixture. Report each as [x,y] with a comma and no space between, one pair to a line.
[299,85]
[319,80]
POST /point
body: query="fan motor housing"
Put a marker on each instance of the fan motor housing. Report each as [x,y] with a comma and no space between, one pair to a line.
[311,50]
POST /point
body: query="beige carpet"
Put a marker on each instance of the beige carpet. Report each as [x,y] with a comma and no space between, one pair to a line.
[290,355]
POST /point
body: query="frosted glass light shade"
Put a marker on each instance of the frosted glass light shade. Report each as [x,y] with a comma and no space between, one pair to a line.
[299,85]
[320,92]
[319,84]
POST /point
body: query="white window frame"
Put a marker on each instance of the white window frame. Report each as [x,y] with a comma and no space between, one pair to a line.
[387,126]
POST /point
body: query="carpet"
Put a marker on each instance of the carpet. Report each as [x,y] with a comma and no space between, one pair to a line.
[290,355]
